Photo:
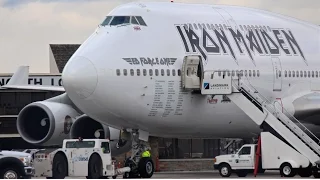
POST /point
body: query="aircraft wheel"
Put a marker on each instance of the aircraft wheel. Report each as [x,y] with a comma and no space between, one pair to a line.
[146,167]
[59,166]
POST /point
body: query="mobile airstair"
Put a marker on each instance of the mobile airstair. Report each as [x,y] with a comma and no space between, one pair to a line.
[263,112]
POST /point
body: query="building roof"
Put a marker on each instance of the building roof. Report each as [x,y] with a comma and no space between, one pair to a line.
[62,53]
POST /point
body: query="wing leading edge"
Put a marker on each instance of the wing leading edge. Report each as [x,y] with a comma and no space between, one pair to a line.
[19,80]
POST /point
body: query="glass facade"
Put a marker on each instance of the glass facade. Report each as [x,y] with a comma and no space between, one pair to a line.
[12,102]
[196,148]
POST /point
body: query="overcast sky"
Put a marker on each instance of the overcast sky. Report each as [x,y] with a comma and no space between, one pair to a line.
[27,27]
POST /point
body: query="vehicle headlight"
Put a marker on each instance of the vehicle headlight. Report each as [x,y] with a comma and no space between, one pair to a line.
[26,161]
[214,160]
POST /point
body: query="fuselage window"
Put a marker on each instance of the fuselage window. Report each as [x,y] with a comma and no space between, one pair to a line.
[168,72]
[157,72]
[228,73]
[162,72]
[199,25]
[150,72]
[305,73]
[173,72]
[297,73]
[241,28]
[308,73]
[285,73]
[141,21]
[316,73]
[250,73]
[186,26]
[293,74]
[217,27]
[219,73]
[179,72]
[254,73]
[224,73]
[312,73]
[131,72]
[125,72]
[190,26]
[134,20]
[232,72]
[144,72]
[118,72]
[221,28]
[246,73]
[138,72]
[279,73]
[117,20]
[225,27]
[289,73]
[106,21]
[258,73]
[301,73]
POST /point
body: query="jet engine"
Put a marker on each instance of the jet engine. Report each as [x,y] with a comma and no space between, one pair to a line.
[46,123]
[88,128]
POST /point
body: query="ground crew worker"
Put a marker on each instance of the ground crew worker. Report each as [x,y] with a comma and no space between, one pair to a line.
[146,153]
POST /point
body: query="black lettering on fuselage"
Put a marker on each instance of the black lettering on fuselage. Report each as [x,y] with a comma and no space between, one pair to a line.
[261,41]
[290,38]
[238,38]
[195,42]
[280,41]
[223,39]
[209,49]
[253,43]
[267,39]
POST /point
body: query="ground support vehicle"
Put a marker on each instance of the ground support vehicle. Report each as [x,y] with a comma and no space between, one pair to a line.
[90,158]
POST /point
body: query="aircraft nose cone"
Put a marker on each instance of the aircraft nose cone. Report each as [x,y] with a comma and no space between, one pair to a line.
[80,77]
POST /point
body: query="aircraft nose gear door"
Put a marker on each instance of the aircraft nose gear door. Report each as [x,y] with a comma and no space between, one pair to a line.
[191,72]
[277,78]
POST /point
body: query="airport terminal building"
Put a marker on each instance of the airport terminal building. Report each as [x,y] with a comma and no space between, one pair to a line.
[168,150]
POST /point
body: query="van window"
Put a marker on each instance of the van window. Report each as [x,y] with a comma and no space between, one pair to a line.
[80,144]
[245,151]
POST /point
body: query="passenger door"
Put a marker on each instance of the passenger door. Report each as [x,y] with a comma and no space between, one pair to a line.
[277,77]
[243,159]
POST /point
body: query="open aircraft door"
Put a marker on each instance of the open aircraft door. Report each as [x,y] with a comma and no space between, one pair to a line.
[192,72]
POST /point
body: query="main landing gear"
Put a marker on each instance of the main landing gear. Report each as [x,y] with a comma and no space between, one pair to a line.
[141,167]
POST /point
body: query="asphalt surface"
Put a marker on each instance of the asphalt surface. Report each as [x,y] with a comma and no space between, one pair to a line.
[205,175]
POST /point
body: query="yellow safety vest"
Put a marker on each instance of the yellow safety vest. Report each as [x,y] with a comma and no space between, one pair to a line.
[146,154]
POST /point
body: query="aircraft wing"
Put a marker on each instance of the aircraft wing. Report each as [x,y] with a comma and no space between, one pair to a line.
[19,80]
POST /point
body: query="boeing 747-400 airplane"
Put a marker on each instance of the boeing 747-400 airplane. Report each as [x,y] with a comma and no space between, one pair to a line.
[133,75]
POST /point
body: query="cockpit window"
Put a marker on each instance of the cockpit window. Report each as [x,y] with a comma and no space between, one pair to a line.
[141,21]
[106,21]
[120,20]
[134,20]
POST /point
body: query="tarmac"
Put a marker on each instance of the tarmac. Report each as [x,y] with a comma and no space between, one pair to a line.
[206,175]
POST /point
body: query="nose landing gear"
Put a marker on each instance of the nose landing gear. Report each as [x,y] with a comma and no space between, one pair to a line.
[141,167]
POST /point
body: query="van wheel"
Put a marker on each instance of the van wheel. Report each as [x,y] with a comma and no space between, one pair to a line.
[286,170]
[146,167]
[59,166]
[94,167]
[225,170]
[10,173]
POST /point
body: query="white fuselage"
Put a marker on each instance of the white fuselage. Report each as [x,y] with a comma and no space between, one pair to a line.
[157,103]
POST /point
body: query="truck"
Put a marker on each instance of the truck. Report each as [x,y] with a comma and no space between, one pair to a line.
[15,165]
[90,158]
[274,154]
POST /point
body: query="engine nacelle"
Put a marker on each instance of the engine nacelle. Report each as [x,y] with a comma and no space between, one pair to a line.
[88,128]
[46,123]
